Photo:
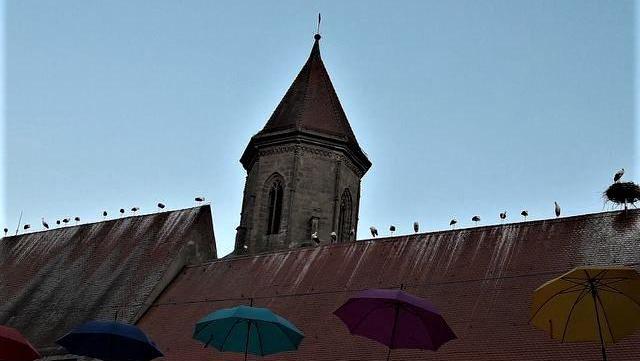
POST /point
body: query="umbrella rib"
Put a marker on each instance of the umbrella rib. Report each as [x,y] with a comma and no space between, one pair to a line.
[614,290]
[364,318]
[565,291]
[578,299]
[606,319]
[260,340]
[226,337]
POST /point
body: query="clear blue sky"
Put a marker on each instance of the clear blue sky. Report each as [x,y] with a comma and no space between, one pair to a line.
[464,107]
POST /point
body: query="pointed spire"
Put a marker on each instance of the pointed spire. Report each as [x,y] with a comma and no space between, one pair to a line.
[312,108]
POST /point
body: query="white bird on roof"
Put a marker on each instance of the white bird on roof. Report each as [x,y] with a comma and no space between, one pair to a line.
[314,238]
[334,237]
[374,231]
[618,175]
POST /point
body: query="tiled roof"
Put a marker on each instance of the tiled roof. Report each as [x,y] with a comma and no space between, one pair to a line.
[51,281]
[481,279]
[310,107]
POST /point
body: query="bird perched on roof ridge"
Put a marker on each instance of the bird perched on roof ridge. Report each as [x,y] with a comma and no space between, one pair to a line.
[314,238]
[618,175]
[476,219]
[199,199]
[557,209]
[77,219]
[135,209]
[416,227]
[453,222]
[374,231]
[26,226]
[525,214]
[121,212]
[392,229]
[66,220]
[45,224]
[334,237]
[57,221]
[5,231]
[161,205]
[104,214]
[503,215]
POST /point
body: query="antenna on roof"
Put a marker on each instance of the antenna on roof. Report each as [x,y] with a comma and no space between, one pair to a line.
[319,19]
[19,220]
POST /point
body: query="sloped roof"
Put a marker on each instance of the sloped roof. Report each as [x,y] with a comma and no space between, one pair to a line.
[310,106]
[481,279]
[54,280]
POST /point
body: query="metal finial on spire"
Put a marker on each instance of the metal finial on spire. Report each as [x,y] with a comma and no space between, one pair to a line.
[317,36]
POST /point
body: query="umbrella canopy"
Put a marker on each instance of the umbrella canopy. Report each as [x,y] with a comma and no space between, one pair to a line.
[396,319]
[251,330]
[589,304]
[110,341]
[15,347]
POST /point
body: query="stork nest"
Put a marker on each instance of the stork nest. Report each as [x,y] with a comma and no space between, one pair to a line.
[623,193]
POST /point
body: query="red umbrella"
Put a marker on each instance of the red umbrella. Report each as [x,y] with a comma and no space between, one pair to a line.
[15,347]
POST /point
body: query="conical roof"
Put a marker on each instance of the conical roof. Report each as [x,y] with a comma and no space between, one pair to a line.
[311,106]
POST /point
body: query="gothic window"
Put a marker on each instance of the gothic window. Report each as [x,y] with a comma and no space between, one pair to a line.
[274,207]
[345,225]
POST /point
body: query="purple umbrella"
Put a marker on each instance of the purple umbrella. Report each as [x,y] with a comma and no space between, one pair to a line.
[396,319]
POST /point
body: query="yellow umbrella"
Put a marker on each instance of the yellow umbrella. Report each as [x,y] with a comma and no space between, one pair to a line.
[589,304]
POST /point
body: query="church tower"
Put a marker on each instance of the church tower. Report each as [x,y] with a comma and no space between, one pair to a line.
[303,169]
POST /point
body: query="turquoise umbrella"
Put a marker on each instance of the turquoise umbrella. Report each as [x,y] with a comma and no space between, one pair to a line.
[251,330]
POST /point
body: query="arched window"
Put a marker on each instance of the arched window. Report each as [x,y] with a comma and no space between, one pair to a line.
[345,225]
[274,207]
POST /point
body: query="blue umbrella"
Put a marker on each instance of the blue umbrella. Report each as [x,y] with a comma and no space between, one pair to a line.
[251,330]
[110,341]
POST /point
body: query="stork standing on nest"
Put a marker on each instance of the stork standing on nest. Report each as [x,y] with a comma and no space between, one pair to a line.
[618,175]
